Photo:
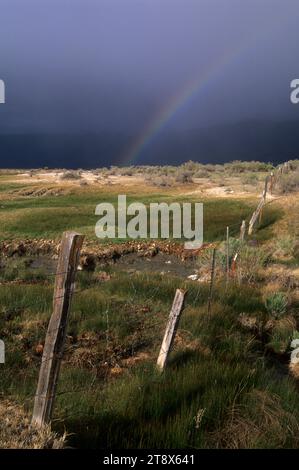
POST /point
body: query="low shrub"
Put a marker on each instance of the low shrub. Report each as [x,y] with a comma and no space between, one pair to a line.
[251,178]
[289,182]
[160,181]
[71,175]
[237,167]
[285,246]
[184,176]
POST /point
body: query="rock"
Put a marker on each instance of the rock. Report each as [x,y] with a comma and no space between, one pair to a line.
[193,277]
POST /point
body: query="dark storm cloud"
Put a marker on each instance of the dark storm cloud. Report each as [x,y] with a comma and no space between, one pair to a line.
[105,69]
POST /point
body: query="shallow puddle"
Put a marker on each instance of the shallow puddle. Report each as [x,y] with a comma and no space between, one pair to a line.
[160,263]
[132,263]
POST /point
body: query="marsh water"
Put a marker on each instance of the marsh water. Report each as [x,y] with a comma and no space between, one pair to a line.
[133,264]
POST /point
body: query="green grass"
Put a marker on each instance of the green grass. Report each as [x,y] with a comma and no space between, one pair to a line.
[11,186]
[48,217]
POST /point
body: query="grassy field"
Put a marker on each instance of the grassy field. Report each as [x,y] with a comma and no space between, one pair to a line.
[227,384]
[25,217]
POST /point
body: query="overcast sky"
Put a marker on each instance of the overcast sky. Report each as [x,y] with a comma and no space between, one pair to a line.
[81,66]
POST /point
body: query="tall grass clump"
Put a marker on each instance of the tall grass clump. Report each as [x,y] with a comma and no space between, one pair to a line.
[276,304]
[250,261]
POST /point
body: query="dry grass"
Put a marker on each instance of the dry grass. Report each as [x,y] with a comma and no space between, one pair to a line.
[244,430]
[17,433]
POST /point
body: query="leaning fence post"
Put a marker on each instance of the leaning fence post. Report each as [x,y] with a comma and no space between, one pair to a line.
[259,208]
[173,321]
[55,338]
[242,231]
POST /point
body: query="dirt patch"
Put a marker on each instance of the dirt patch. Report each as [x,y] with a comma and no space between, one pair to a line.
[101,252]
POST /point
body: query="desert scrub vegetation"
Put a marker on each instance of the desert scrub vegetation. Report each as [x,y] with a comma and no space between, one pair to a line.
[294,164]
[288,183]
[284,247]
[191,168]
[250,263]
[159,181]
[253,260]
[237,167]
[184,176]
[71,175]
[250,179]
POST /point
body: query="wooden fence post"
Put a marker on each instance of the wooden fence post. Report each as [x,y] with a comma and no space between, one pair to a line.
[242,231]
[271,182]
[259,208]
[55,339]
[212,280]
[173,321]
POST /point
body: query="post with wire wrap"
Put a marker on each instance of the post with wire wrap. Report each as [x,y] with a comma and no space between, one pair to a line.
[55,339]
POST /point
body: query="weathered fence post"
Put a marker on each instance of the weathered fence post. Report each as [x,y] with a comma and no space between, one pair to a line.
[55,339]
[242,231]
[173,321]
[2,352]
[212,280]
[259,208]
[271,182]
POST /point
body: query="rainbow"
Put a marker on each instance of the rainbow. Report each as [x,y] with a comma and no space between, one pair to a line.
[183,97]
[174,105]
